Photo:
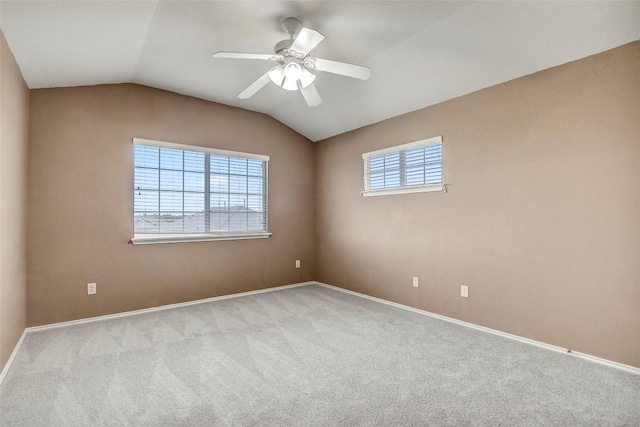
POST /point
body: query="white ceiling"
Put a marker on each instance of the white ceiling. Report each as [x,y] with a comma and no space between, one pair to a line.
[420,53]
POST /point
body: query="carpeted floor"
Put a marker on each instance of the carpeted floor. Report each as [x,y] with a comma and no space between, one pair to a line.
[307,356]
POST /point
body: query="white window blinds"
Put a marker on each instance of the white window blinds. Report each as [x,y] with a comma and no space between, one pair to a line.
[181,189]
[407,168]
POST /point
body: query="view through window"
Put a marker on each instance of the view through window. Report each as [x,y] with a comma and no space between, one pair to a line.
[416,166]
[185,190]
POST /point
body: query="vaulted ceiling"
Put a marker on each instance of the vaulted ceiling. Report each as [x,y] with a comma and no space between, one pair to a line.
[420,53]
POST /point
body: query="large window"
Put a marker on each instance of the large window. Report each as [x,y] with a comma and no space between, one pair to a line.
[186,193]
[407,168]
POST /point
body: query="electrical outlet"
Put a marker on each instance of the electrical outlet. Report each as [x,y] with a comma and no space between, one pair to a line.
[464,291]
[297,263]
[415,282]
[91,288]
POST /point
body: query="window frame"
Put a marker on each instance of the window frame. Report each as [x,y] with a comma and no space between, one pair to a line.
[402,189]
[153,238]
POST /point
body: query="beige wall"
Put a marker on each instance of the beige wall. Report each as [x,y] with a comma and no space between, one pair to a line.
[542,217]
[540,221]
[14,116]
[80,194]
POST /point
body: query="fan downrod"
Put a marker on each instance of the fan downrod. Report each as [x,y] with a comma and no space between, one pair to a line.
[292,27]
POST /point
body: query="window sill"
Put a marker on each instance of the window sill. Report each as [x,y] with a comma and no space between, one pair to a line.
[405,190]
[152,239]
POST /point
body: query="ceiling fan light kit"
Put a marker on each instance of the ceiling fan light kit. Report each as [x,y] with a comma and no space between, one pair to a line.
[294,64]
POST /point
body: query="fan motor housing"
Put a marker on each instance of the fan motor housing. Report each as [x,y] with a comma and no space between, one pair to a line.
[281,45]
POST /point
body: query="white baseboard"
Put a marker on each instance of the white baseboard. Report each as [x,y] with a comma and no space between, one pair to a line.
[621,366]
[7,366]
[11,358]
[162,307]
[595,359]
[607,362]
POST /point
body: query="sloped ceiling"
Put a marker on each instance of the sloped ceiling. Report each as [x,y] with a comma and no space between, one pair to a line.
[420,53]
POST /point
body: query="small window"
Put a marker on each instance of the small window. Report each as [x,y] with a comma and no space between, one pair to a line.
[188,193]
[408,168]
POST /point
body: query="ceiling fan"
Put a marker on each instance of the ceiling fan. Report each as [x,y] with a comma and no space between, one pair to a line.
[293,71]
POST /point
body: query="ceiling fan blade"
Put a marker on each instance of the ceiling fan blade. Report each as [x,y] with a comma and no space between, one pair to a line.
[310,95]
[241,55]
[307,39]
[356,71]
[255,86]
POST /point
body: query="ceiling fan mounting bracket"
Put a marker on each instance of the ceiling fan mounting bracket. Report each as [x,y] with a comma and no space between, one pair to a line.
[291,26]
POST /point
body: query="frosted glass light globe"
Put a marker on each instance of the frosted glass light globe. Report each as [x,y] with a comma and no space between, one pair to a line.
[292,71]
